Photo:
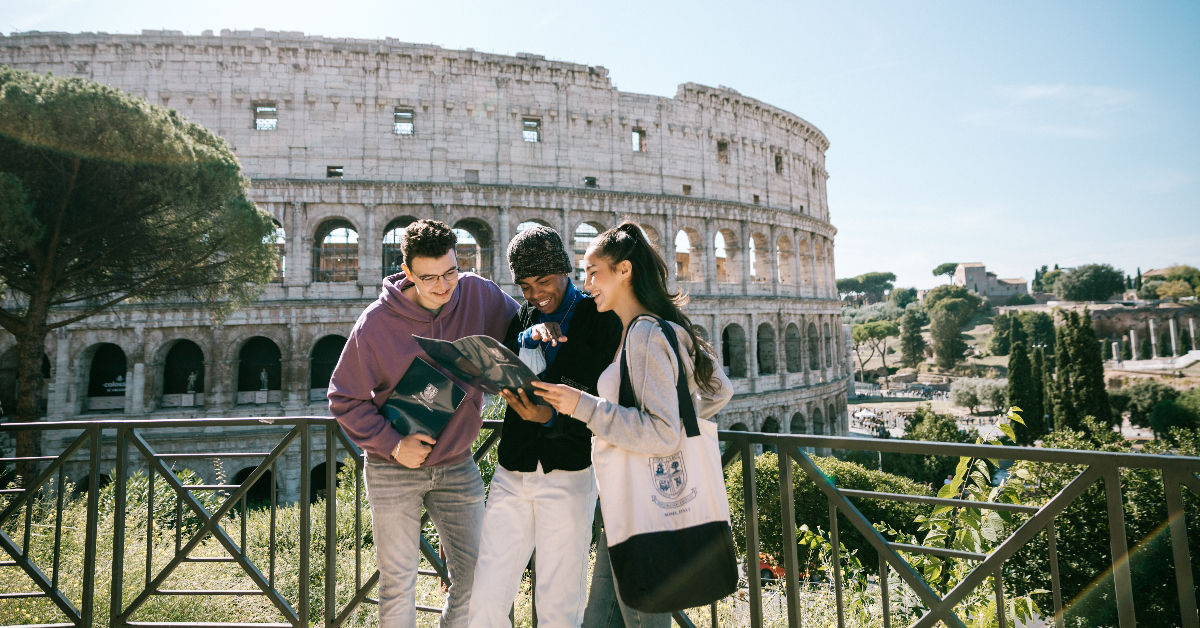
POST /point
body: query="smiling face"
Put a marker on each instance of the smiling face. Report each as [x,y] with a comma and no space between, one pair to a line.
[545,292]
[439,293]
[609,284]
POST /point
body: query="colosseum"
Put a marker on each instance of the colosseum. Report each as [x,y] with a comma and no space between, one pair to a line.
[346,141]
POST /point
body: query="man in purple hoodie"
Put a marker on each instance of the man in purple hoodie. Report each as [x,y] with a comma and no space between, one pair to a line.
[430,298]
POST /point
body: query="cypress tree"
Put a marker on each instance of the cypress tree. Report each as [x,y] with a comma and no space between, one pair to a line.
[1107,346]
[1126,352]
[1164,342]
[1185,341]
[1035,414]
[1021,391]
[1065,416]
[1144,351]
[1137,283]
[1091,396]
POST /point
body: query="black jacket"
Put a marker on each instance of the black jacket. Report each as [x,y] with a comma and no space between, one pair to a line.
[592,341]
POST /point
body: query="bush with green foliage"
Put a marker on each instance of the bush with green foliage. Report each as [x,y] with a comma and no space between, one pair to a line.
[973,392]
[1090,282]
[950,291]
[1140,397]
[927,425]
[1020,298]
[882,311]
[1168,415]
[1175,290]
[1001,338]
[1149,289]
[901,297]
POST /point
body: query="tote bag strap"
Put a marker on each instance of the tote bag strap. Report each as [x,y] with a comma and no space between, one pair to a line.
[687,410]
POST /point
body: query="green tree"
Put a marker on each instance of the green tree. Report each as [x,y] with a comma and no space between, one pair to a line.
[1001,339]
[1065,416]
[873,285]
[1038,284]
[108,198]
[1145,350]
[1189,274]
[1143,395]
[1169,414]
[927,425]
[1035,420]
[1090,282]
[1020,299]
[901,297]
[1126,352]
[1038,328]
[912,343]
[1050,279]
[1091,391]
[946,269]
[1021,391]
[1174,290]
[1137,282]
[1149,289]
[945,329]
[874,336]
[950,292]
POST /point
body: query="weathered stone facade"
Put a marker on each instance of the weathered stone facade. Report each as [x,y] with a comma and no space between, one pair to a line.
[318,125]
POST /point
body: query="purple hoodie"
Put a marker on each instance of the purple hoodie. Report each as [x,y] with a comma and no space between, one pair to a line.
[381,347]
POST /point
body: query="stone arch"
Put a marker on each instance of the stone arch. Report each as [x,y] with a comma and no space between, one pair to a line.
[322,360]
[828,347]
[316,480]
[183,371]
[783,257]
[818,422]
[760,267]
[581,238]
[259,359]
[770,426]
[792,348]
[814,346]
[531,222]
[739,427]
[831,417]
[820,283]
[474,250]
[260,492]
[9,379]
[335,251]
[804,250]
[733,350]
[280,240]
[688,255]
[106,387]
[728,255]
[393,254]
[796,425]
[766,349]
[701,332]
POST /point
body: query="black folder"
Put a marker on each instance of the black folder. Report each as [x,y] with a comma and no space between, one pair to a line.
[423,401]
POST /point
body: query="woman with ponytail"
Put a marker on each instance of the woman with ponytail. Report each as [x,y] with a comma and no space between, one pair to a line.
[625,274]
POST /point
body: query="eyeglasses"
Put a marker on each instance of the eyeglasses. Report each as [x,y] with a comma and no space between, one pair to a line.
[431,281]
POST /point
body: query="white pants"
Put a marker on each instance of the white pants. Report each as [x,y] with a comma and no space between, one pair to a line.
[552,512]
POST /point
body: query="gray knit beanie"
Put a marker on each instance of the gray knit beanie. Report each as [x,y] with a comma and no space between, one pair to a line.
[536,252]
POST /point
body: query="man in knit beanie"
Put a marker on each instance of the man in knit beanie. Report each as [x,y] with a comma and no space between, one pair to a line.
[543,493]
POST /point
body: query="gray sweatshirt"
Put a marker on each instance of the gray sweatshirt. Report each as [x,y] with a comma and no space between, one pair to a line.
[655,427]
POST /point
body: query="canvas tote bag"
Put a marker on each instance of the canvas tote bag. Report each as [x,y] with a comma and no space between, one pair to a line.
[667,517]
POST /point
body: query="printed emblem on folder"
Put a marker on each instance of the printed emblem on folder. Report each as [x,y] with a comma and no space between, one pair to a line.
[429,393]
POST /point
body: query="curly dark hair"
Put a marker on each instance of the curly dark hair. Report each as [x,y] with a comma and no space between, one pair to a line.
[427,238]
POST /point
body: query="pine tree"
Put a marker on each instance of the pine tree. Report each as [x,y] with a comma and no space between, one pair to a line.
[912,344]
[1035,415]
[1021,391]
[1091,396]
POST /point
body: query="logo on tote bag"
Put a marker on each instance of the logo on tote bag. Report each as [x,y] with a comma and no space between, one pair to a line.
[669,475]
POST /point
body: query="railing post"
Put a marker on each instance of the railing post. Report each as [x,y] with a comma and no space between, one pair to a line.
[1055,587]
[330,524]
[1179,546]
[837,562]
[751,500]
[883,592]
[999,582]
[89,552]
[118,559]
[305,531]
[1120,547]
[788,515]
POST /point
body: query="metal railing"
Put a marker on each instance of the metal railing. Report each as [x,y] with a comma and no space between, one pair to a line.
[127,445]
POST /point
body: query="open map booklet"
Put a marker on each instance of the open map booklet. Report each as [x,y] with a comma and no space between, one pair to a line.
[484,363]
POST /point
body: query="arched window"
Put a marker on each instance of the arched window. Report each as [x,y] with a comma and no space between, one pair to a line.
[783,256]
[733,350]
[106,379]
[688,263]
[260,493]
[316,480]
[818,422]
[814,348]
[183,375]
[832,420]
[828,348]
[791,347]
[474,249]
[335,252]
[393,255]
[766,349]
[728,257]
[736,427]
[770,426]
[280,239]
[797,424]
[324,358]
[759,266]
[529,224]
[259,371]
[585,234]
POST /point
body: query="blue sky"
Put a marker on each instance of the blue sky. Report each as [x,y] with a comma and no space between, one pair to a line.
[1016,133]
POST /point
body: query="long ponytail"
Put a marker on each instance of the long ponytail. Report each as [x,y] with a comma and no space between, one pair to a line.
[627,241]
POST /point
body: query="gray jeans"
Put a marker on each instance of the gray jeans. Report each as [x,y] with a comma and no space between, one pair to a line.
[604,606]
[453,496]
